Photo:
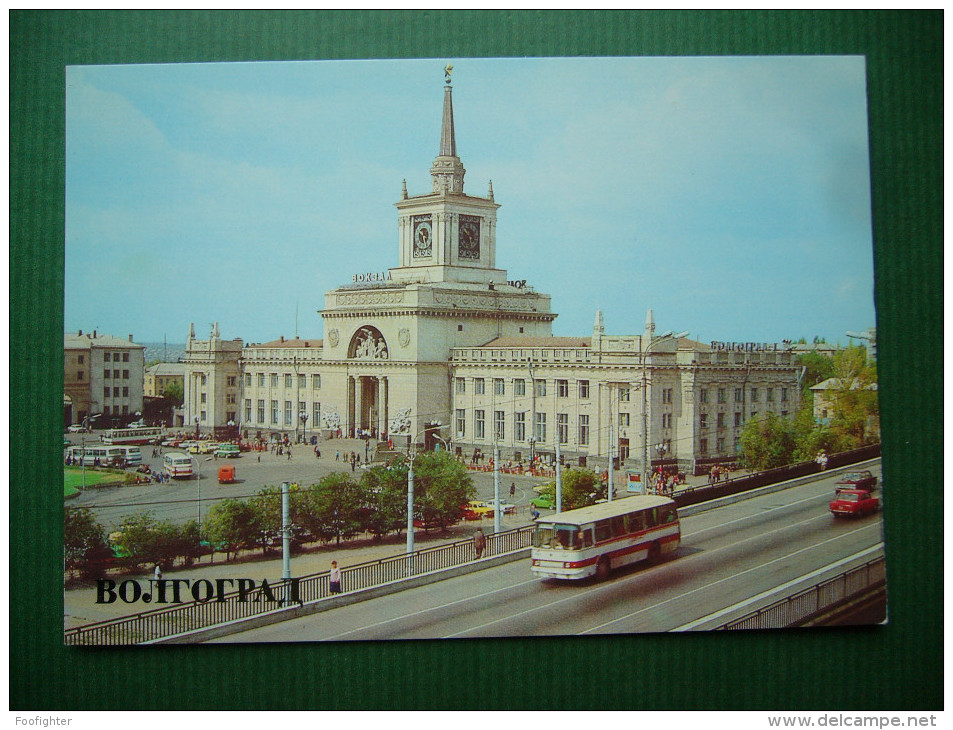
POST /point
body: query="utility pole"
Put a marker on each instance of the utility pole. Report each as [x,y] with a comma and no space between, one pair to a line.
[496,487]
[609,488]
[559,478]
[285,532]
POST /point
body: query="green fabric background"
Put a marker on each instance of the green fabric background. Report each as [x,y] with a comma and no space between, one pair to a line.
[898,666]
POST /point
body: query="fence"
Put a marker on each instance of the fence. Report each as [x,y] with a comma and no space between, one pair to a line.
[694,495]
[806,604]
[197,614]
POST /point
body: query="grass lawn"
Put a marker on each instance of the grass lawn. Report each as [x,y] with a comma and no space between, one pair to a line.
[73,477]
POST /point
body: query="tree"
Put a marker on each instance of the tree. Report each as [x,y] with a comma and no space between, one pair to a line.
[856,415]
[138,542]
[384,490]
[233,525]
[768,442]
[333,507]
[267,507]
[581,488]
[442,487]
[84,543]
[173,392]
[818,368]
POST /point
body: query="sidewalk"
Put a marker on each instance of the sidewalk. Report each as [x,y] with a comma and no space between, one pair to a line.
[80,607]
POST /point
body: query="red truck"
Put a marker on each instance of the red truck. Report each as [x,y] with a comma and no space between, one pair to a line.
[853,502]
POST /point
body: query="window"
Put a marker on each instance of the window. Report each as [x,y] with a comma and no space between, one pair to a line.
[540,432]
[274,412]
[461,385]
[562,427]
[261,380]
[703,446]
[519,386]
[125,357]
[203,398]
[737,419]
[721,420]
[624,394]
[499,387]
[288,417]
[583,388]
[540,387]
[261,411]
[739,397]
[107,356]
[106,410]
[703,395]
[302,408]
[79,374]
[248,409]
[302,381]
[459,328]
[479,424]
[287,380]
[479,386]
[316,415]
[274,380]
[125,376]
[115,392]
[115,374]
[316,381]
[583,430]
[666,420]
[230,381]
[519,426]
[721,445]
[106,373]
[722,395]
[754,395]
[461,423]
[230,416]
[562,388]
[203,416]
[80,360]
[498,425]
[623,419]
[784,395]
[248,380]
[703,420]
[769,395]
[204,379]
[125,392]
[667,395]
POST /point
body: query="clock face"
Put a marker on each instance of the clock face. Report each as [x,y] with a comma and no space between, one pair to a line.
[423,236]
[469,247]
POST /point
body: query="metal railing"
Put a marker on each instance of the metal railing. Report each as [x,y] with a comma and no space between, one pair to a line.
[806,604]
[183,617]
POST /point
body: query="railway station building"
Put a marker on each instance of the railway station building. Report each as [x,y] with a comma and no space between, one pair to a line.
[445,348]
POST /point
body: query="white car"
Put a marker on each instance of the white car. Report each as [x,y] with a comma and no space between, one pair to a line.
[76,428]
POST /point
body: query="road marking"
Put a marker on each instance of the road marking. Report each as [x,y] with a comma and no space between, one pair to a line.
[878,548]
[425,610]
[722,580]
[680,562]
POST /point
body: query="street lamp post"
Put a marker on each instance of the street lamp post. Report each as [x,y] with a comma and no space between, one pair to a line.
[198,469]
[304,425]
[645,423]
[412,454]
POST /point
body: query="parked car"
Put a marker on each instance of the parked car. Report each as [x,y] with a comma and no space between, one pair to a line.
[853,503]
[485,509]
[229,450]
[857,480]
[544,501]
[76,428]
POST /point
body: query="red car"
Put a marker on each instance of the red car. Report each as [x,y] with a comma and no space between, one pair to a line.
[853,502]
[857,480]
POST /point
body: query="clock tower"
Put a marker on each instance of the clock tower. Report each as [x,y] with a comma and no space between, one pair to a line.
[447,235]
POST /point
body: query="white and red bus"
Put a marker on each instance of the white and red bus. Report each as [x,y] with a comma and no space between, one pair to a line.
[177,465]
[595,540]
[142,435]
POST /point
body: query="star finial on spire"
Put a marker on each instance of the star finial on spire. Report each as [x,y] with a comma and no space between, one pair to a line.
[447,70]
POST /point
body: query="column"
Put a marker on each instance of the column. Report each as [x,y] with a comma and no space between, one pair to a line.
[349,413]
[358,403]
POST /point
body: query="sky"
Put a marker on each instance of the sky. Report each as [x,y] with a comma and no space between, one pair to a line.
[730,195]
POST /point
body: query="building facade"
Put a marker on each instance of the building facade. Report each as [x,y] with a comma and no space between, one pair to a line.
[444,347]
[160,376]
[102,379]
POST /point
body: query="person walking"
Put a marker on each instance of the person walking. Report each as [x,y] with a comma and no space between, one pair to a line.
[513,489]
[334,578]
[157,573]
[479,542]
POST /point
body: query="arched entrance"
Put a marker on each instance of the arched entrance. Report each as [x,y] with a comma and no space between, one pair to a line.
[367,394]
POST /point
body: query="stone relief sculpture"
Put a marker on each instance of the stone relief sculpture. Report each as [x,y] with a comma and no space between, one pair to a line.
[332,419]
[370,345]
[333,337]
[400,423]
[403,337]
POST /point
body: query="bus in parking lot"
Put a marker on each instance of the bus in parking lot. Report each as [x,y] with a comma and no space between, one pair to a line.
[96,455]
[177,465]
[597,539]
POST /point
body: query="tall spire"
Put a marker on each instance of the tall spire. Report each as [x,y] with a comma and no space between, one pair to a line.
[447,170]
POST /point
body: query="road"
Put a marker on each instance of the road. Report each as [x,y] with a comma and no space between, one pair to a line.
[727,555]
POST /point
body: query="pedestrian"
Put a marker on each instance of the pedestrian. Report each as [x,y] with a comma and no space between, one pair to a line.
[512,489]
[535,513]
[259,457]
[337,455]
[479,542]
[289,453]
[334,578]
[157,573]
